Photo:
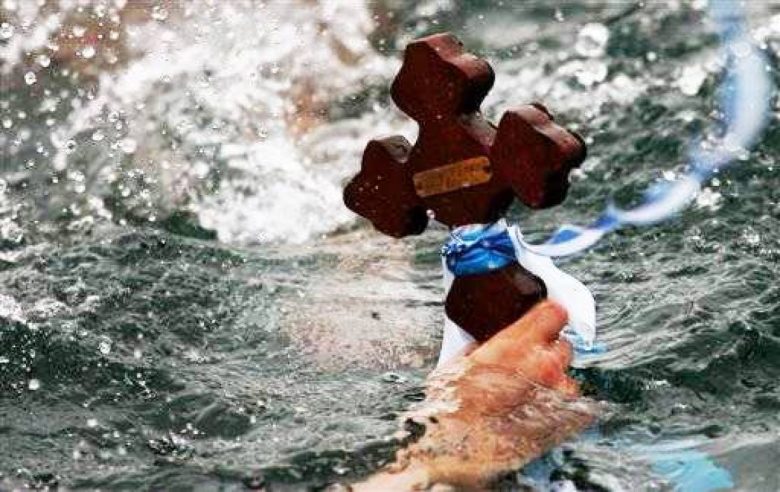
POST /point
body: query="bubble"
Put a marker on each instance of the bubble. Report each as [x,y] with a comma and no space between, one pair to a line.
[70,146]
[104,346]
[43,60]
[79,31]
[30,78]
[88,52]
[8,123]
[592,40]
[98,136]
[6,30]
[92,422]
[34,384]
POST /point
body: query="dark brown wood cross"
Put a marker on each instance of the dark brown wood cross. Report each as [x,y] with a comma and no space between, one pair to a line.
[463,170]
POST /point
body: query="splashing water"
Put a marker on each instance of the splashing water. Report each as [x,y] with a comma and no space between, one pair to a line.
[144,346]
[228,102]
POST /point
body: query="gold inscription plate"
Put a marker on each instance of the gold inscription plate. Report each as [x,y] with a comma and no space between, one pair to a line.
[451,177]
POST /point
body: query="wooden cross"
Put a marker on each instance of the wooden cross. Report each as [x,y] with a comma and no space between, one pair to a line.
[462,168]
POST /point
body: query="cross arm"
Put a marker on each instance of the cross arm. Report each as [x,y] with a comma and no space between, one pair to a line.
[383,191]
[534,155]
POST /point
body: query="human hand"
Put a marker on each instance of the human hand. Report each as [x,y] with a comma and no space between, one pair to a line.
[493,410]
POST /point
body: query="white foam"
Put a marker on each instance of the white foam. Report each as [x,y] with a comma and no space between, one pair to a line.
[224,76]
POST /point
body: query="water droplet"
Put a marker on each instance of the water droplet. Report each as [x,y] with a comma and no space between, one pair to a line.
[34,384]
[751,237]
[741,49]
[6,30]
[11,232]
[98,136]
[691,80]
[591,72]
[92,422]
[709,199]
[70,146]
[592,40]
[392,377]
[7,123]
[159,13]
[79,31]
[128,146]
[104,346]
[43,60]
[10,309]
[30,78]
[88,52]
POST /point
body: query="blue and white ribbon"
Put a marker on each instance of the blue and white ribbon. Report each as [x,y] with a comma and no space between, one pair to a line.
[745,97]
[476,249]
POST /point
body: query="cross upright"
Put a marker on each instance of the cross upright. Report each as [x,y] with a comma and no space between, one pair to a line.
[462,168]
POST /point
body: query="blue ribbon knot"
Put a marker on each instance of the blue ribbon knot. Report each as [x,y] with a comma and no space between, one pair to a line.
[472,250]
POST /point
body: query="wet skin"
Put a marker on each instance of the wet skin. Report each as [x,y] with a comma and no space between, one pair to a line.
[493,409]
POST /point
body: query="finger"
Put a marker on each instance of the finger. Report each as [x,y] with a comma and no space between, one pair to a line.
[563,350]
[541,324]
[546,320]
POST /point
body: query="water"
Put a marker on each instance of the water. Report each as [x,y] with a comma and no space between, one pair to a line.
[185,300]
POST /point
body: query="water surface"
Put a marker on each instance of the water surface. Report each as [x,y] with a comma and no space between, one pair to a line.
[185,302]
